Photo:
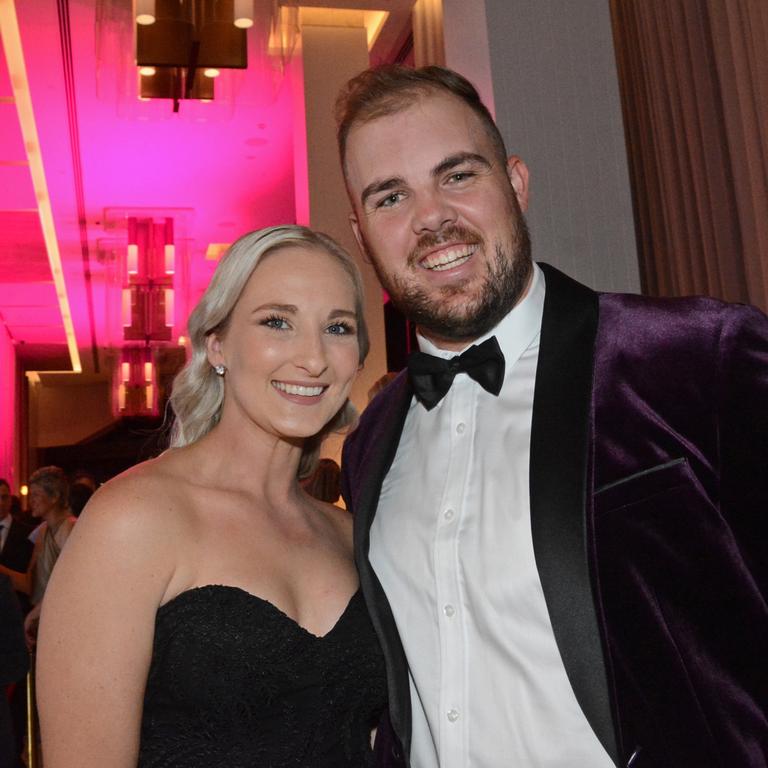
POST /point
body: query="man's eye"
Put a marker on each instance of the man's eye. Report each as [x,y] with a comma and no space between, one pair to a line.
[460,176]
[389,200]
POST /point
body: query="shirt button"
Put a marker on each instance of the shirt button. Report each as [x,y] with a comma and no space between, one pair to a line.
[449,610]
[448,514]
[453,715]
[460,427]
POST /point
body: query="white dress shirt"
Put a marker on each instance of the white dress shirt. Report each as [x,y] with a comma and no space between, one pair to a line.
[451,543]
[5,526]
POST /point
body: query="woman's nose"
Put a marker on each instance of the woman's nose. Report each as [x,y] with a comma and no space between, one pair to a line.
[310,354]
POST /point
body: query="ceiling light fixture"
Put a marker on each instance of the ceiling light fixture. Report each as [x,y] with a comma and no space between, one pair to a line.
[190,39]
[243,14]
[145,12]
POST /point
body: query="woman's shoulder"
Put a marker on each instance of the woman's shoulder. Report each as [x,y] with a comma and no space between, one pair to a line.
[340,520]
[148,495]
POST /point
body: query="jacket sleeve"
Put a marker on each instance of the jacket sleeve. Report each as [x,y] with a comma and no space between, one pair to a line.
[743,435]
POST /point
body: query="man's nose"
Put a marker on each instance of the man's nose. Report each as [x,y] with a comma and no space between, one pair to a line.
[432,212]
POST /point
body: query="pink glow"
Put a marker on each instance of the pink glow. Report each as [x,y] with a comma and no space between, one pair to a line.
[7,410]
[230,166]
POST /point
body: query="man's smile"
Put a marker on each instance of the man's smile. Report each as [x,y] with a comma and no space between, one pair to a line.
[448,258]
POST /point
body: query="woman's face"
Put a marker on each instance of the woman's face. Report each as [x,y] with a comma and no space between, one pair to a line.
[40,503]
[291,347]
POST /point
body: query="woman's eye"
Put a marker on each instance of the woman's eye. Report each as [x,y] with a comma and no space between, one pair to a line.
[278,323]
[340,329]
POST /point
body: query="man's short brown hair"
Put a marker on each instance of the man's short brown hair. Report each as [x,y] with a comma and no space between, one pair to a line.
[389,88]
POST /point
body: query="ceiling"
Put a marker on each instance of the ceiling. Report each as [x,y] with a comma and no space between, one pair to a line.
[220,169]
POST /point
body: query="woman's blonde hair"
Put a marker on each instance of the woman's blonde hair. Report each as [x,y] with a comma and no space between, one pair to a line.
[198,392]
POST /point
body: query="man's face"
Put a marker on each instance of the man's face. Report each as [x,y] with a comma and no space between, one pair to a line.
[5,501]
[440,216]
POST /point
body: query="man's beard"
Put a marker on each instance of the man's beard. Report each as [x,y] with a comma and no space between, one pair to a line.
[501,290]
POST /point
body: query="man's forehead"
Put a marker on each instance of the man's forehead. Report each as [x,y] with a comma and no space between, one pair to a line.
[417,137]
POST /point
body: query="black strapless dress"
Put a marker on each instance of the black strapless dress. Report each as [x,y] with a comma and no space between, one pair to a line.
[235,682]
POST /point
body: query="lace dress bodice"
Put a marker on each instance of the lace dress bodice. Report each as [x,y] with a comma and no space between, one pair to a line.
[235,682]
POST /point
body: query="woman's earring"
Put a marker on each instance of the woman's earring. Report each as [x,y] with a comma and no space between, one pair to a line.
[220,369]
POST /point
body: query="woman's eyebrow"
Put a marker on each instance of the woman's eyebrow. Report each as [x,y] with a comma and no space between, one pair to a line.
[292,308]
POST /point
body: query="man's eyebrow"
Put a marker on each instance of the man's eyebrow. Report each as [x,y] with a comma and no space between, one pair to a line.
[381,186]
[460,158]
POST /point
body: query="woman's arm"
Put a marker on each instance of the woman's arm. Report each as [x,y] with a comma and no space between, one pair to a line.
[97,629]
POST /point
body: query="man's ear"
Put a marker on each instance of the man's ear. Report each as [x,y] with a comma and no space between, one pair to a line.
[517,171]
[213,350]
[355,224]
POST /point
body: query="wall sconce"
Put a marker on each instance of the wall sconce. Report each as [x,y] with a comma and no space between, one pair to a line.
[148,292]
[135,385]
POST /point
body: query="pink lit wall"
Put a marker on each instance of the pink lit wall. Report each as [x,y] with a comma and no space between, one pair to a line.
[8,406]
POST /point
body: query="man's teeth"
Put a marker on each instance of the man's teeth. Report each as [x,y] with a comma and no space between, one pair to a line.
[448,259]
[298,389]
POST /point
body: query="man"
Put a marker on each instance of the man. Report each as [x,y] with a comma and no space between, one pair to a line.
[14,663]
[15,546]
[565,553]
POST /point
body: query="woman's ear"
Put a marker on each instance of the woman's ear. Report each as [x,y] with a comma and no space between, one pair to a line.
[213,350]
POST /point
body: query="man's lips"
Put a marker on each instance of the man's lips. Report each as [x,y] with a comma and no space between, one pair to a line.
[448,257]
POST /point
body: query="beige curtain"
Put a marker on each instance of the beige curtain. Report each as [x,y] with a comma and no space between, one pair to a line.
[694,82]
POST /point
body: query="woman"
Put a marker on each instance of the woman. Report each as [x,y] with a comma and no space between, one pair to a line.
[208,607]
[48,501]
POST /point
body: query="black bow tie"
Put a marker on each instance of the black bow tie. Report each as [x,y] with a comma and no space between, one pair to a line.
[432,376]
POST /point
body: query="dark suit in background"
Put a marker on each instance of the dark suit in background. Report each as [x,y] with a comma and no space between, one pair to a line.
[649,506]
[14,663]
[17,550]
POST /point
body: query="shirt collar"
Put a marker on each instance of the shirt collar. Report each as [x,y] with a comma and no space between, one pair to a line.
[516,330]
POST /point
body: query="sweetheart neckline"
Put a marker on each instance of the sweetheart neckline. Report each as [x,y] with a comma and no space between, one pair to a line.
[263,601]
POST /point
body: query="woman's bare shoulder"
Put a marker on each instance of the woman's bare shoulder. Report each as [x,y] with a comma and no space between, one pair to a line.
[150,495]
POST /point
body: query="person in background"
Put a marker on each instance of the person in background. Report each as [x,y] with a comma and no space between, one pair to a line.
[381,383]
[49,502]
[323,483]
[83,477]
[16,551]
[79,494]
[561,505]
[14,663]
[15,547]
[207,606]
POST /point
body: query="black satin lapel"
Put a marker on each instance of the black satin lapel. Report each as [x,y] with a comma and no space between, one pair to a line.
[558,475]
[381,445]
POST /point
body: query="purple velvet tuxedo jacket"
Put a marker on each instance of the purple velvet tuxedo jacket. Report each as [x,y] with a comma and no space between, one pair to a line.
[649,510]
